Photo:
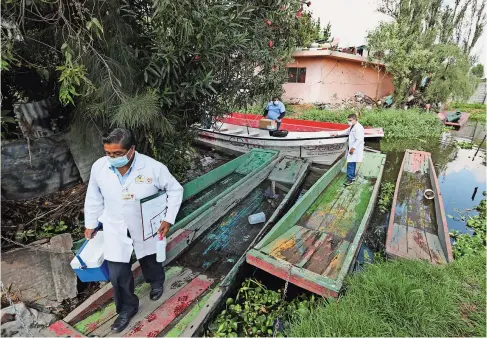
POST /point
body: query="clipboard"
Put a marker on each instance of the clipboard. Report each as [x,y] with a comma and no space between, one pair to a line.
[153,211]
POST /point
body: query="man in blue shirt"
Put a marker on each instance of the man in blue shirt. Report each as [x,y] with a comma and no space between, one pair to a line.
[275,111]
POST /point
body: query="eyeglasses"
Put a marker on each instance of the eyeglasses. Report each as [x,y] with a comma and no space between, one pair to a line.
[116,153]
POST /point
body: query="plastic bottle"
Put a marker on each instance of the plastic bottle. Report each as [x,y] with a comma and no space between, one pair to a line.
[257,218]
[161,249]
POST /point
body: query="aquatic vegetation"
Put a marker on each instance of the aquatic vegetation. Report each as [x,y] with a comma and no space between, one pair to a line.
[254,311]
[477,111]
[471,244]
[385,196]
[465,145]
[404,298]
[397,123]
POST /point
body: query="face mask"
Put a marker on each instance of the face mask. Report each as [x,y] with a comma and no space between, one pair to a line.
[276,102]
[350,123]
[119,162]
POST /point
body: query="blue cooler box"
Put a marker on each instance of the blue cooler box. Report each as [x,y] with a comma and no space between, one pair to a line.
[89,264]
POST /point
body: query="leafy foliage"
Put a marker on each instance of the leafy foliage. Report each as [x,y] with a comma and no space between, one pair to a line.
[426,48]
[254,311]
[465,145]
[396,123]
[478,70]
[153,66]
[477,111]
[385,196]
[471,244]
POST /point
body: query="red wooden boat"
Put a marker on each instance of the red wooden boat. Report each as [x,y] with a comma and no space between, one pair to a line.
[458,124]
[417,226]
[295,125]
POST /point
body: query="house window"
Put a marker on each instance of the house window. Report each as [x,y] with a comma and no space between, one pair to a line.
[296,75]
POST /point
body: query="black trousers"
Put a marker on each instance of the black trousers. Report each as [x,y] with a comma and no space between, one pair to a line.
[123,281]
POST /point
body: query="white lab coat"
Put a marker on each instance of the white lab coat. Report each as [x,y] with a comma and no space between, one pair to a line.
[356,141]
[104,203]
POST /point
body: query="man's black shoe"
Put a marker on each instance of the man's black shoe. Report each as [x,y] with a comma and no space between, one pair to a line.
[347,183]
[123,320]
[156,293]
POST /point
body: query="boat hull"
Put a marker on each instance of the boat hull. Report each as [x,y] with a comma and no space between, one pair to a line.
[316,242]
[417,227]
[320,150]
[463,119]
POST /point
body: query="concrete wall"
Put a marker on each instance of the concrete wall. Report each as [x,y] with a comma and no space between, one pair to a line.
[329,80]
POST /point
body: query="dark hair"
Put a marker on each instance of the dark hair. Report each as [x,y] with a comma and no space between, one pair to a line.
[275,97]
[120,135]
[352,116]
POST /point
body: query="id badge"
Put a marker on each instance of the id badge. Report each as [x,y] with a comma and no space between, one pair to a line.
[127,196]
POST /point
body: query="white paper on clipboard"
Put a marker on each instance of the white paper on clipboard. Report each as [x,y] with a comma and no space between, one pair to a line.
[153,210]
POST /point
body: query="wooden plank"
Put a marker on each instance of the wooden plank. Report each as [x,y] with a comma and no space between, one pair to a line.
[158,320]
[435,248]
[99,298]
[324,240]
[320,260]
[443,232]
[287,170]
[146,306]
[63,329]
[418,244]
[286,241]
[178,329]
[337,261]
[399,239]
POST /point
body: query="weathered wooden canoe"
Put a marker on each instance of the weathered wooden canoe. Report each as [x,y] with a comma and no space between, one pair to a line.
[316,242]
[458,124]
[417,226]
[199,278]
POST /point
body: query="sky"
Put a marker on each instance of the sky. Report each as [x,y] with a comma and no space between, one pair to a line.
[351,19]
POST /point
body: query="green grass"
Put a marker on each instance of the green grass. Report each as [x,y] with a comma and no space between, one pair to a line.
[396,123]
[404,298]
[476,110]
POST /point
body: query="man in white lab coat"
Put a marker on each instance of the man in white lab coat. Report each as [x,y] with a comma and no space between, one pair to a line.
[118,182]
[356,145]
[355,150]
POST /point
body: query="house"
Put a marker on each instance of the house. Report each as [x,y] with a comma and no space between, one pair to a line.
[326,76]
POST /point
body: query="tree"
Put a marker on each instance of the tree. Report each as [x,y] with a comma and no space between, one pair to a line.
[478,70]
[420,50]
[157,67]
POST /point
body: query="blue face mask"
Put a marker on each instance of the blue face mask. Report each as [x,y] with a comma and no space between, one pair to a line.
[119,162]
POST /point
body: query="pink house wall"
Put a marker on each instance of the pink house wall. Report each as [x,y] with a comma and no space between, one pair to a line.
[329,80]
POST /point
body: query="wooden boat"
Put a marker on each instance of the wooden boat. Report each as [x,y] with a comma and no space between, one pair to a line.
[417,226]
[308,139]
[458,124]
[315,243]
[199,278]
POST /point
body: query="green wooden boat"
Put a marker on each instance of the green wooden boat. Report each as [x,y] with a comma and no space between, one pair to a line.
[315,243]
[205,268]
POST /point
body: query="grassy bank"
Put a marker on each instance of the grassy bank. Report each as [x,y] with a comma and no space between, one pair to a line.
[404,298]
[396,123]
[477,111]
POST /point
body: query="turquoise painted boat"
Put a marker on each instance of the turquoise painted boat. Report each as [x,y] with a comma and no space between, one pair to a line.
[315,243]
[207,254]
